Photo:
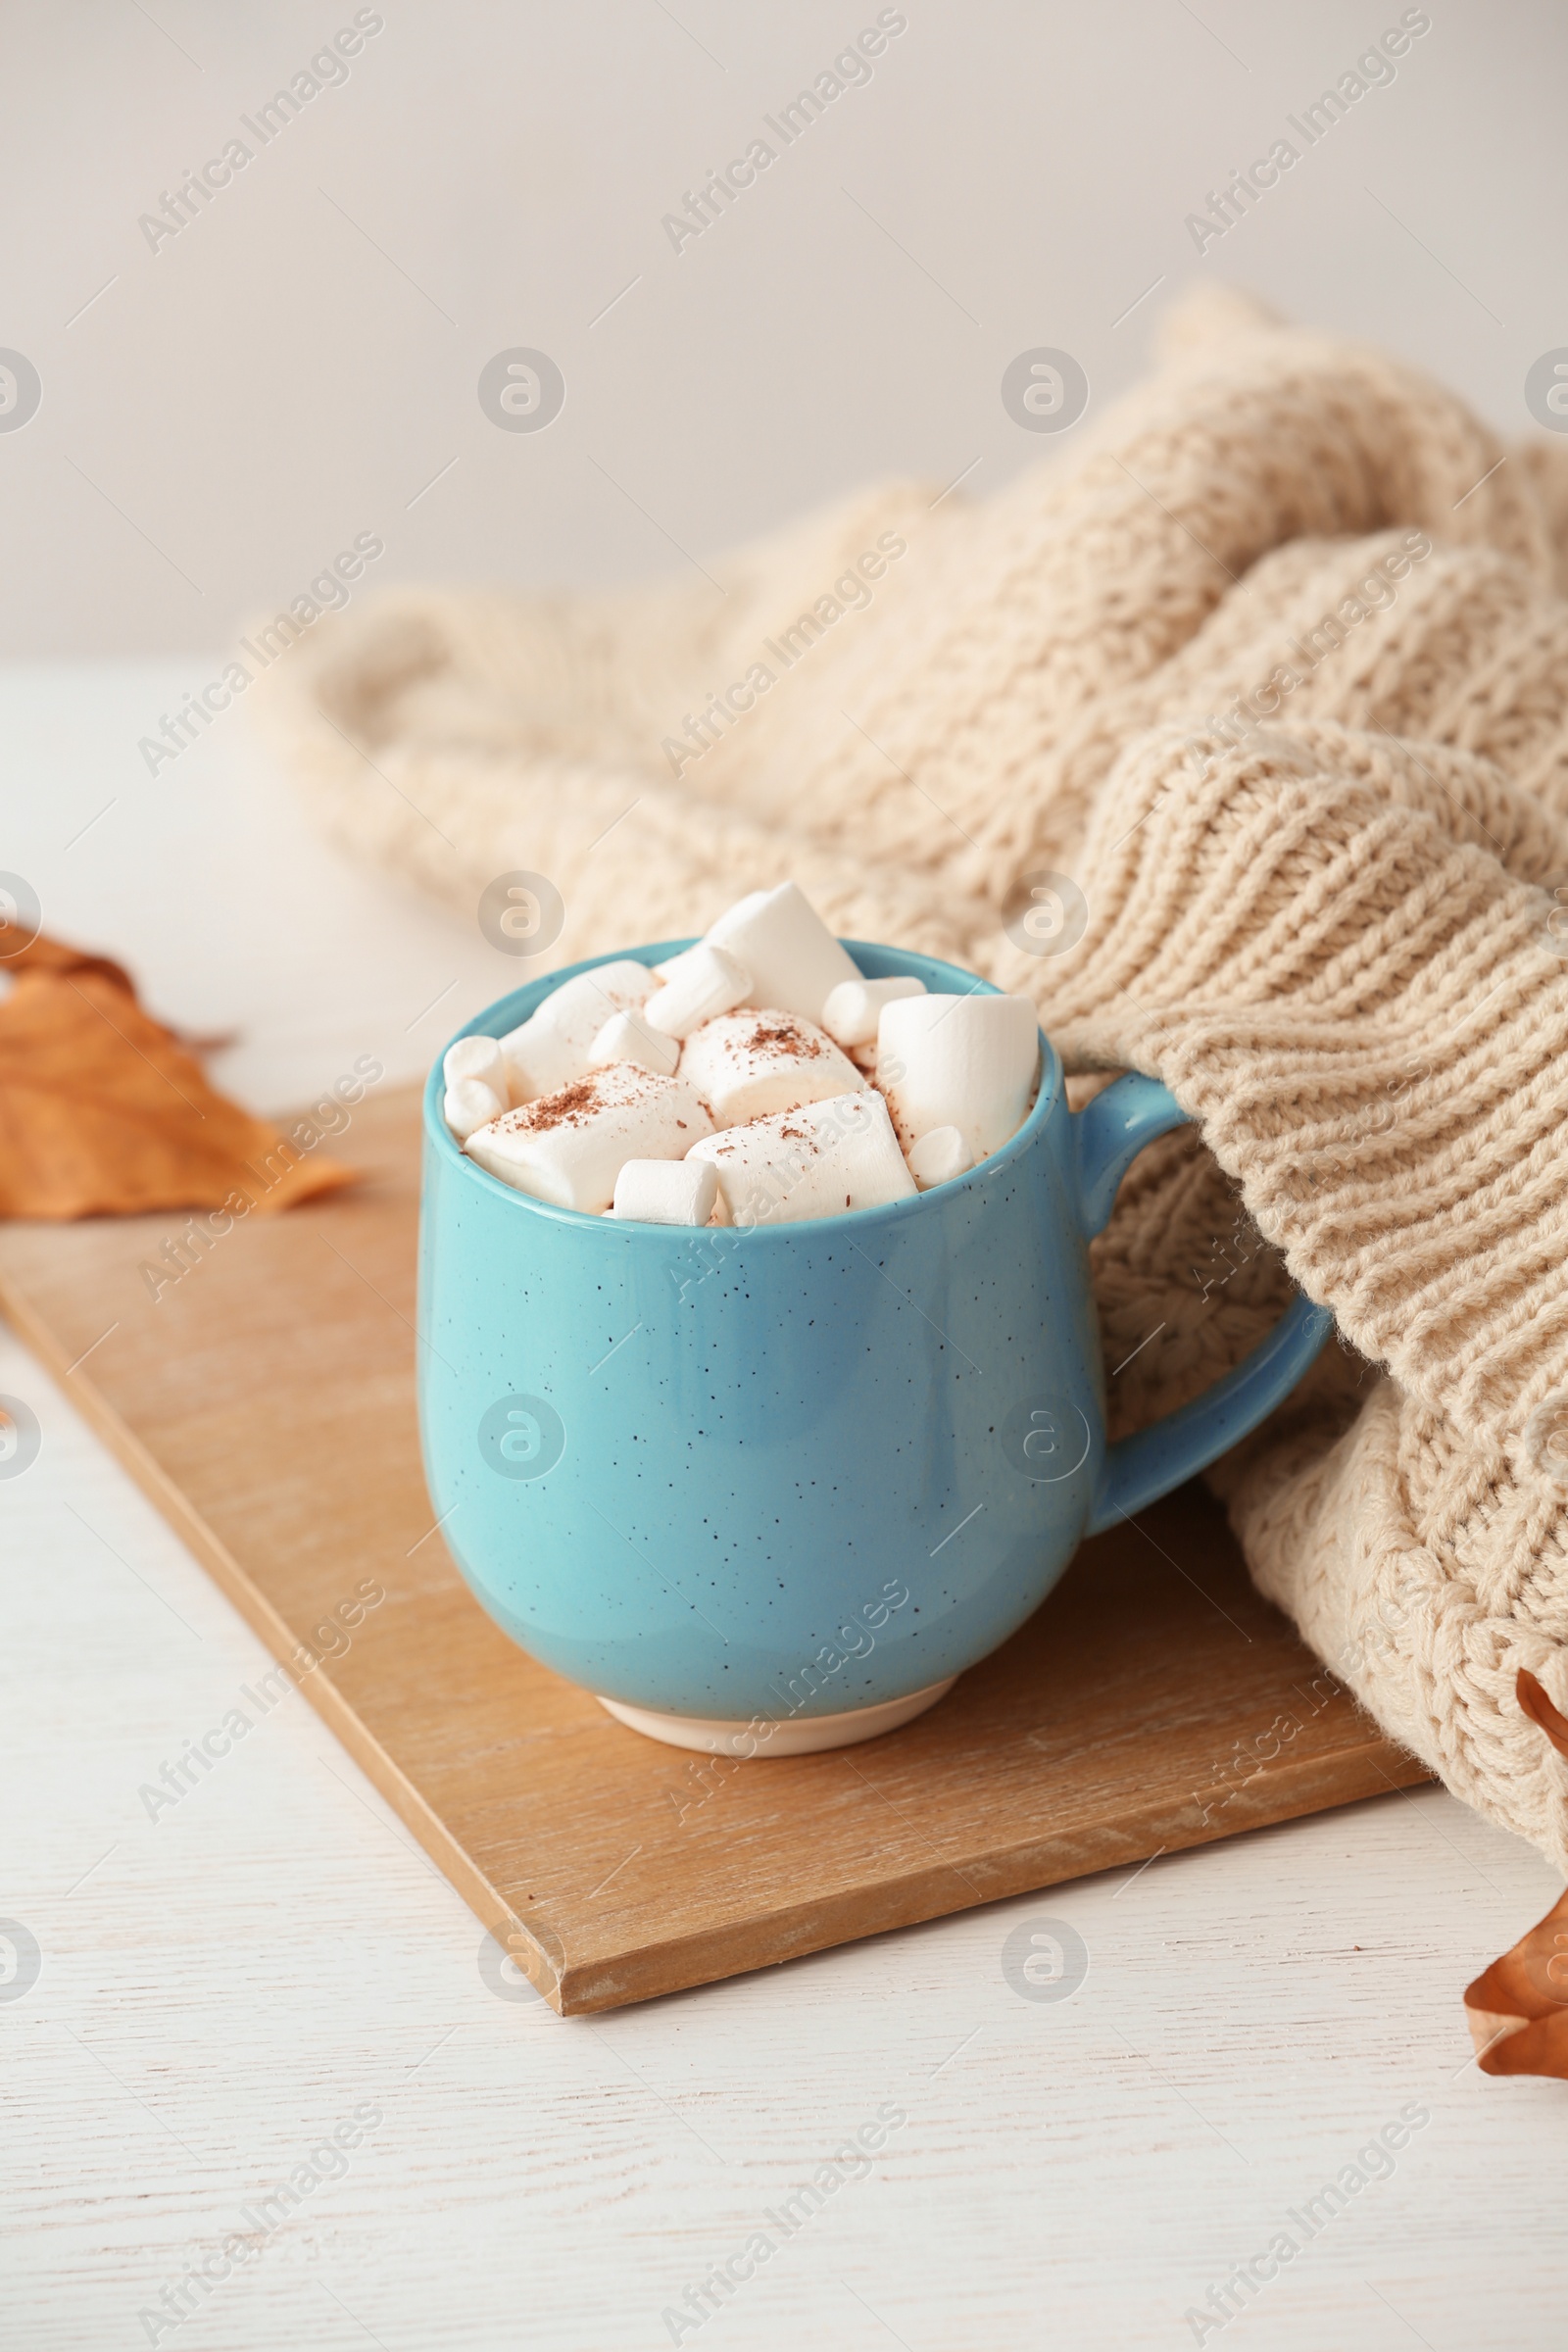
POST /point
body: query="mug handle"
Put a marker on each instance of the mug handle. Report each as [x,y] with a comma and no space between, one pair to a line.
[1108,1134]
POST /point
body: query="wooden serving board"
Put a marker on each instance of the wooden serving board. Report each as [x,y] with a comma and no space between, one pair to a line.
[264,1401]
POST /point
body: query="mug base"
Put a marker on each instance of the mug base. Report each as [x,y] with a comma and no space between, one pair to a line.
[805,1737]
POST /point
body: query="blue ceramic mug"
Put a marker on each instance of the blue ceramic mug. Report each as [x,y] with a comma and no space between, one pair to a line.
[772,1490]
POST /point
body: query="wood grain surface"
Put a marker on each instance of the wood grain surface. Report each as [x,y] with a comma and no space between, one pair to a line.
[264,1401]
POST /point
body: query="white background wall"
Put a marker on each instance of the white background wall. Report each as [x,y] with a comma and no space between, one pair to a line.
[299,363]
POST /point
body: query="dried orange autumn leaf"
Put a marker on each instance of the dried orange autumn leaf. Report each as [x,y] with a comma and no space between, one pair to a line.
[1518,2007]
[104,1113]
[1535,1703]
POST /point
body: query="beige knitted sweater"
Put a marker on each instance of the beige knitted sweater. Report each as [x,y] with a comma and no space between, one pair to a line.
[1269,671]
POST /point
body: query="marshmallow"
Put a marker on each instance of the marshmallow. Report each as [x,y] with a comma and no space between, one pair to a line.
[675,963]
[666,1192]
[747,1064]
[468,1104]
[551,1047]
[683,955]
[853,1009]
[940,1154]
[709,981]
[627,1037]
[570,1147]
[794,959]
[477,1057]
[733,915]
[818,1162]
[969,1062]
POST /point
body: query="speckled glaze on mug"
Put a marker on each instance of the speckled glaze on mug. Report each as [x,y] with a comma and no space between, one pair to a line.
[805,1470]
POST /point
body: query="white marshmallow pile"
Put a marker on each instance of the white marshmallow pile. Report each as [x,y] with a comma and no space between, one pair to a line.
[758,1077]
[555,1043]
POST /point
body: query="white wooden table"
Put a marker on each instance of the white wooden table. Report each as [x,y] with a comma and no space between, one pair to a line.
[223,1989]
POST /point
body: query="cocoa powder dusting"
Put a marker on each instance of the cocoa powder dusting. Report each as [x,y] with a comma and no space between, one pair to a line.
[567,1106]
[784,1031]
